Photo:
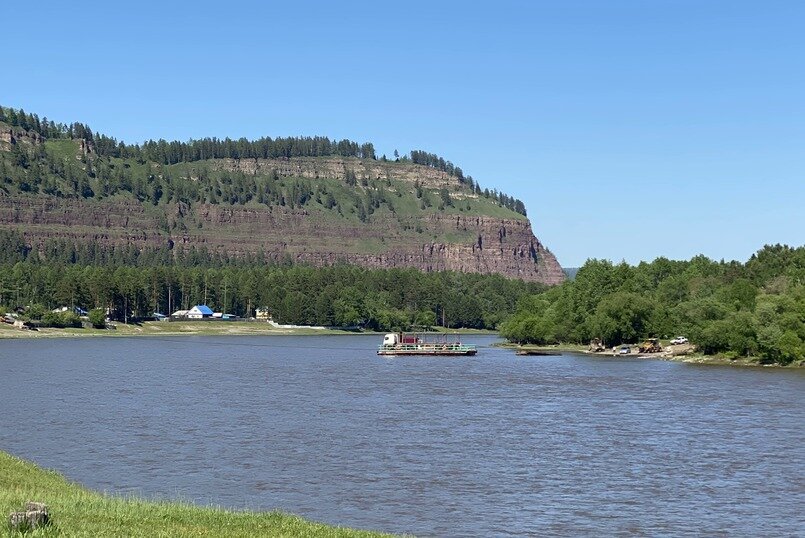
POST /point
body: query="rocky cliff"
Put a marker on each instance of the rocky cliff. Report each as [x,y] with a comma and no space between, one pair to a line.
[475,244]
[319,210]
[336,168]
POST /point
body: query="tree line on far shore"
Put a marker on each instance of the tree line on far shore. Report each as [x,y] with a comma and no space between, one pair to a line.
[754,309]
[340,295]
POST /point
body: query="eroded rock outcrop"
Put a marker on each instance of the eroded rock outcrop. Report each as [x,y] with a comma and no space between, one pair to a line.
[467,243]
[337,167]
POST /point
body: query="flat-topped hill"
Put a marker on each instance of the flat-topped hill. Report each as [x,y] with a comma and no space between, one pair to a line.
[307,200]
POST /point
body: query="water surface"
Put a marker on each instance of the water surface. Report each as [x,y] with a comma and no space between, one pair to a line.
[491,445]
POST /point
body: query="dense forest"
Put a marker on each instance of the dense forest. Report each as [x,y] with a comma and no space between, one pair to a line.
[115,166]
[756,309]
[134,284]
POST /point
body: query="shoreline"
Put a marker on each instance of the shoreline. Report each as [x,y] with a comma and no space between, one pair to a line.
[686,358]
[197,328]
[252,328]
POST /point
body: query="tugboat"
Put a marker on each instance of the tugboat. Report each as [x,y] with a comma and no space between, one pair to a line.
[413,344]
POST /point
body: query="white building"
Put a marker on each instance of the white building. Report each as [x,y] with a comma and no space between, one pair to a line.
[200,311]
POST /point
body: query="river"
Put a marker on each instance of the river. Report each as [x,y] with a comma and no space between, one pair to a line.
[491,445]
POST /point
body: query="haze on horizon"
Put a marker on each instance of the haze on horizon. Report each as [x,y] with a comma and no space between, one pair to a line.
[630,130]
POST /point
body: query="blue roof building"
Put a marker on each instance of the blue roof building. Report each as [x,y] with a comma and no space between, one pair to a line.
[200,311]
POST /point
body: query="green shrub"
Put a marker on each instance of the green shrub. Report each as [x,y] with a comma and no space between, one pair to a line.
[60,320]
[36,311]
[97,316]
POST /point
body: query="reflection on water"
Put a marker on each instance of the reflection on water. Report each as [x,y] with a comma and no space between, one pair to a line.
[488,445]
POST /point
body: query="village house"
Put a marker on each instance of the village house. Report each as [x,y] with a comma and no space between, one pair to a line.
[201,311]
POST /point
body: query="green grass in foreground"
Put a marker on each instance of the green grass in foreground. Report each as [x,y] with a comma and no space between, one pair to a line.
[76,511]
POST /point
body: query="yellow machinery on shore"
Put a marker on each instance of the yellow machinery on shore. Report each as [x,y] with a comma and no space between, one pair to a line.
[652,345]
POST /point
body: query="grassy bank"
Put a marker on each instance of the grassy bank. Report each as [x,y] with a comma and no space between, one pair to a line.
[723,360]
[76,511]
[204,328]
[173,328]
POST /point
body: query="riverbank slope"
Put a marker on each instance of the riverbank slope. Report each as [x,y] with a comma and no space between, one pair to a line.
[194,328]
[76,511]
[690,356]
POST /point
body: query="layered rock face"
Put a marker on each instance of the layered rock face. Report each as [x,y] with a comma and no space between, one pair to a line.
[336,168]
[472,244]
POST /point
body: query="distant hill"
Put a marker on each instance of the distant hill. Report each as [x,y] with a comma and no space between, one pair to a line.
[570,272]
[310,200]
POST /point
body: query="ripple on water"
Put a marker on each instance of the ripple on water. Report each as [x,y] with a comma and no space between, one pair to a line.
[493,445]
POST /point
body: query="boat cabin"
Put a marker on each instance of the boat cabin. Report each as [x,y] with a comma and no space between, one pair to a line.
[390,339]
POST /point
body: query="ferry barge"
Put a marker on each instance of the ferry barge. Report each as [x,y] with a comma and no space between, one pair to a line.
[414,344]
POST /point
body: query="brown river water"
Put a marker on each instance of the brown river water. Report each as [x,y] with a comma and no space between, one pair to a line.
[491,445]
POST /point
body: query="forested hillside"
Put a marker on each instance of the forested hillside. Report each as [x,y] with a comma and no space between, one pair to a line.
[99,174]
[305,199]
[756,309]
[135,284]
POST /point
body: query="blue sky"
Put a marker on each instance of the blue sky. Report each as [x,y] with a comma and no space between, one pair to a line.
[630,129]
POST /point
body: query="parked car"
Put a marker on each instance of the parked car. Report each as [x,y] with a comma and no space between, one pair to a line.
[625,350]
[679,340]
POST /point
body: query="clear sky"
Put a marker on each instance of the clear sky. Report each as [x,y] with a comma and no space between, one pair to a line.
[630,129]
